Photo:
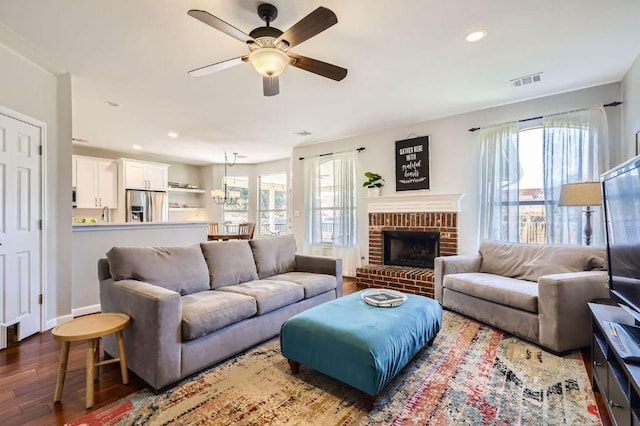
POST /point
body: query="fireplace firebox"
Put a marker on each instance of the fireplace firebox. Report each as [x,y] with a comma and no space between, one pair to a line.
[409,248]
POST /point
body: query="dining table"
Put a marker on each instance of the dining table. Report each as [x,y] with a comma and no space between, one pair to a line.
[224,237]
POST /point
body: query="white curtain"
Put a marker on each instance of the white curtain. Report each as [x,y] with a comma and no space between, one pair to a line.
[344,241]
[499,177]
[575,149]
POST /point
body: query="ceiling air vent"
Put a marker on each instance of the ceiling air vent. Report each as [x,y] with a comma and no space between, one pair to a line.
[302,133]
[523,81]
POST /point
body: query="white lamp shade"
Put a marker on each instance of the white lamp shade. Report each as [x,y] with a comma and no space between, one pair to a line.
[269,61]
[217,193]
[581,194]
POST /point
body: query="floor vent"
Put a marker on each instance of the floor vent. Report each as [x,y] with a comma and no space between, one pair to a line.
[523,81]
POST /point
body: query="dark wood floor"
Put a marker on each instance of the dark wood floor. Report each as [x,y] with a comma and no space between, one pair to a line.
[28,372]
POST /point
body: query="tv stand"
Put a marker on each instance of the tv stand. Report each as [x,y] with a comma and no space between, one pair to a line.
[635,314]
[616,378]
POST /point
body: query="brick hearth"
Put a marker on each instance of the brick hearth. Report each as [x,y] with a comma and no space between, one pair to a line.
[406,279]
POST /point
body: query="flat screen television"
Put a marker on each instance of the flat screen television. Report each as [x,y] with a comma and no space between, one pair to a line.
[621,195]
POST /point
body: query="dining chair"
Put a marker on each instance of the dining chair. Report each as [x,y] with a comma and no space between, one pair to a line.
[213,230]
[245,230]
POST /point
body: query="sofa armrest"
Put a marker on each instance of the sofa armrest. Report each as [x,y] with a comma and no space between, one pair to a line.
[153,337]
[562,307]
[321,265]
[445,265]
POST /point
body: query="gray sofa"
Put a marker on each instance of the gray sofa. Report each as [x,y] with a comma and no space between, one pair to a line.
[537,292]
[192,306]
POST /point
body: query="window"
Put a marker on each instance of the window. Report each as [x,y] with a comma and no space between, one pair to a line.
[331,202]
[272,204]
[523,171]
[236,212]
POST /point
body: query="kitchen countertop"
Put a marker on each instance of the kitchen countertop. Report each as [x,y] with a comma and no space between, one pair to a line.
[106,226]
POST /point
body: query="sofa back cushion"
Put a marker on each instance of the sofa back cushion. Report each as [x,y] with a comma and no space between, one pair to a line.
[179,268]
[531,261]
[229,262]
[274,255]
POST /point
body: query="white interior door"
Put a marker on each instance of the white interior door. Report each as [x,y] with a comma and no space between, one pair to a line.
[20,235]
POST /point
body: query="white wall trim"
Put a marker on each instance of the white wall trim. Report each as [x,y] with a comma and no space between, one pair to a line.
[415,203]
[85,310]
[57,321]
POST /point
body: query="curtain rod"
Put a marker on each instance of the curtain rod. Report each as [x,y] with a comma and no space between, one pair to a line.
[337,152]
[611,104]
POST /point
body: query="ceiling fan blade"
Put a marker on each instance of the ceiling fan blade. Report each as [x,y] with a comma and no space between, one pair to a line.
[270,86]
[220,25]
[315,66]
[218,66]
[312,24]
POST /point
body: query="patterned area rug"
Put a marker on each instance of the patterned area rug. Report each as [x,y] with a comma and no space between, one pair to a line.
[473,374]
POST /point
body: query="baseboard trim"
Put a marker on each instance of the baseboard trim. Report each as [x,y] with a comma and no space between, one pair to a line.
[49,324]
[85,310]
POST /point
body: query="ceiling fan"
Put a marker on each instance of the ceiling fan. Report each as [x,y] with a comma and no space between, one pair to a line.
[269,47]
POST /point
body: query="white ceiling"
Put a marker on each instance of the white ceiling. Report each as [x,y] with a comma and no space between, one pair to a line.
[408,62]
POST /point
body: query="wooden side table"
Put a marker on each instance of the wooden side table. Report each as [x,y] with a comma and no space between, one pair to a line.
[91,328]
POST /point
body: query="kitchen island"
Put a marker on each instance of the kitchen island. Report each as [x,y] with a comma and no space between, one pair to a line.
[91,241]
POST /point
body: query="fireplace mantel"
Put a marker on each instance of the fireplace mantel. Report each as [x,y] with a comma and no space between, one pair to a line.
[415,203]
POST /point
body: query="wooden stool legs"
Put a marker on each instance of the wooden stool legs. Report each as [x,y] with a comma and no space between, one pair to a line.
[93,363]
[123,358]
[64,356]
[91,370]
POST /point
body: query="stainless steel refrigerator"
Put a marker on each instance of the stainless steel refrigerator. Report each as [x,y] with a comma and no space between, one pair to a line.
[147,206]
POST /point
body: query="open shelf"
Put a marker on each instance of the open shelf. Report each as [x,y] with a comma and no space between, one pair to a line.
[193,191]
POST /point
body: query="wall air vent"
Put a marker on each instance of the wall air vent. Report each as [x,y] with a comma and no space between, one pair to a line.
[528,79]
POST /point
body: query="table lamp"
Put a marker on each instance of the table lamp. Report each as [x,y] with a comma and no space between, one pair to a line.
[582,194]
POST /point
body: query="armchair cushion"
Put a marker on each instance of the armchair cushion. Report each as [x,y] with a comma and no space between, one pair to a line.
[274,255]
[179,268]
[229,262]
[518,294]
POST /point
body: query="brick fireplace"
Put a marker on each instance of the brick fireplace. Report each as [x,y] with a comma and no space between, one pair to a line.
[425,213]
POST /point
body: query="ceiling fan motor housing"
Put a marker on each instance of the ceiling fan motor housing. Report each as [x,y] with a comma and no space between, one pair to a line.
[267,12]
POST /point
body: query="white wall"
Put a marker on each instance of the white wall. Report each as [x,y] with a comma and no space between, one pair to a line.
[29,89]
[454,154]
[631,109]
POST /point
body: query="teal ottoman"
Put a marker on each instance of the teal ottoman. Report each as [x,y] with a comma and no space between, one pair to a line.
[361,345]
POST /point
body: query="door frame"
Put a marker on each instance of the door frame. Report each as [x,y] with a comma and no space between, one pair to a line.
[43,213]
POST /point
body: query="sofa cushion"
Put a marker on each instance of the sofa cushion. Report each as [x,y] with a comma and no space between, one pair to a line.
[229,262]
[313,284]
[179,268]
[270,295]
[208,311]
[531,261]
[274,255]
[518,294]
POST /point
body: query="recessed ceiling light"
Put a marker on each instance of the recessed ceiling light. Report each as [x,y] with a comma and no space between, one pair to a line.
[137,147]
[172,135]
[474,36]
[112,104]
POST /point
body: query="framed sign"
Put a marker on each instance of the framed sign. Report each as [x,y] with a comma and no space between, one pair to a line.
[412,164]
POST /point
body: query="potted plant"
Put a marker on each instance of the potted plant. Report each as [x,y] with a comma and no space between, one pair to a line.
[374,182]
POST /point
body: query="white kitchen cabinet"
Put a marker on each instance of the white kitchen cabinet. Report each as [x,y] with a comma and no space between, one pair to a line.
[145,175]
[96,182]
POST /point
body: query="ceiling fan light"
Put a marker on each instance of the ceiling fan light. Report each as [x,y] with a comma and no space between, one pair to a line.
[269,61]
